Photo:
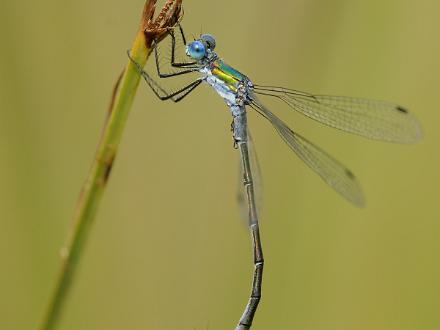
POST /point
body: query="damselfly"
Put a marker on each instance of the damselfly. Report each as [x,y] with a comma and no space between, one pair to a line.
[369,118]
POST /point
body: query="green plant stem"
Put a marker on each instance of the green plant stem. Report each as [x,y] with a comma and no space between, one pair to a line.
[95,184]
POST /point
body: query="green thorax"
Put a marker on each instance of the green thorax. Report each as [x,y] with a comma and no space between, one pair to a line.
[227,73]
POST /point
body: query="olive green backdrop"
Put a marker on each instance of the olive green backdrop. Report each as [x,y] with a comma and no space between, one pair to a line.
[169,249]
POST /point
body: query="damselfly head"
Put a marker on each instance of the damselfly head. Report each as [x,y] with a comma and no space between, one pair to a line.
[201,48]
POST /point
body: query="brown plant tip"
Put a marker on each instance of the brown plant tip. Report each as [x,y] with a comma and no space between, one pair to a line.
[156,29]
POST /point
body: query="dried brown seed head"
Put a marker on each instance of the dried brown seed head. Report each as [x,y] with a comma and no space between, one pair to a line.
[156,29]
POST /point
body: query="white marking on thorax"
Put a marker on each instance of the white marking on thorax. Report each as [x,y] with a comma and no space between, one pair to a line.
[220,87]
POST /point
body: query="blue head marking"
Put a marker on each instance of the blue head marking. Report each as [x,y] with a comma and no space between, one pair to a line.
[196,50]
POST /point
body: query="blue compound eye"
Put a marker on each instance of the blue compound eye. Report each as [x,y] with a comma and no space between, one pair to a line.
[196,50]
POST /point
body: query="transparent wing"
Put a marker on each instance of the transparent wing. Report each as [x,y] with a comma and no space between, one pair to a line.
[373,119]
[334,173]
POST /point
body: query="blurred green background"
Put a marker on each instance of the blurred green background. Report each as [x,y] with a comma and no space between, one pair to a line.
[169,249]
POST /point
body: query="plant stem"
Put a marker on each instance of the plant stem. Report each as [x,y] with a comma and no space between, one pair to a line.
[95,184]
